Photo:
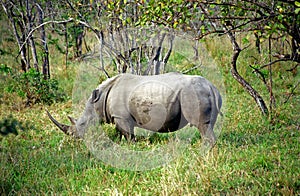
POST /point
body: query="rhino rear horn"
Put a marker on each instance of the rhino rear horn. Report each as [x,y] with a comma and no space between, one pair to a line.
[72,120]
[62,127]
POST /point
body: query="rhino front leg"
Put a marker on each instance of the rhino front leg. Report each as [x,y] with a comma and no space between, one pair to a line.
[126,128]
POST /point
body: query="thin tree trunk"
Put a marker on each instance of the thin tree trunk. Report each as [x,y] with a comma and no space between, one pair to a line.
[45,57]
[270,87]
[67,45]
[168,54]
[9,13]
[31,40]
[101,46]
[256,96]
[139,60]
[78,40]
[153,63]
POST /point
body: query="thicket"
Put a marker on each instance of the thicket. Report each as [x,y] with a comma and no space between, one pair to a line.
[31,86]
[273,24]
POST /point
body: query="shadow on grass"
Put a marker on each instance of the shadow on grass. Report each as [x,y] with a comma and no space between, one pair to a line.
[239,139]
[11,125]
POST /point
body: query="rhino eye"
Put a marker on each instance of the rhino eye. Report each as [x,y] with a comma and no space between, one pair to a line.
[82,124]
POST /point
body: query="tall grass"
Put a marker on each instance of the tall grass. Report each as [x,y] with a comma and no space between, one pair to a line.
[252,155]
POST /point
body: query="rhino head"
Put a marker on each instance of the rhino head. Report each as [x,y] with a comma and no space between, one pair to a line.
[69,130]
[77,127]
[92,115]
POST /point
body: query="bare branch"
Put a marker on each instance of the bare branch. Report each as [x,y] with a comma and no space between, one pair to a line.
[39,26]
[281,59]
[292,92]
[191,69]
[294,67]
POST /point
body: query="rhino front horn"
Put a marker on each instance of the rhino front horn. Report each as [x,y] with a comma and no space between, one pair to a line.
[62,127]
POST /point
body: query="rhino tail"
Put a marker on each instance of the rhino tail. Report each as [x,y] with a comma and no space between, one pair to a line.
[217,99]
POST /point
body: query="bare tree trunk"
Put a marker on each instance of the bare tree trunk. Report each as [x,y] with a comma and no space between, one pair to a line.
[113,44]
[154,64]
[195,47]
[45,56]
[23,51]
[50,10]
[67,45]
[79,40]
[139,60]
[31,40]
[101,40]
[168,54]
[270,86]
[9,14]
[257,43]
[256,96]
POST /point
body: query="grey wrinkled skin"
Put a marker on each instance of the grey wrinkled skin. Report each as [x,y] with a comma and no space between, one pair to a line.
[160,103]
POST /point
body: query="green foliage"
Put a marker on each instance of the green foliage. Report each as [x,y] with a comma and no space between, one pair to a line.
[297,10]
[172,13]
[56,42]
[34,87]
[11,125]
[5,70]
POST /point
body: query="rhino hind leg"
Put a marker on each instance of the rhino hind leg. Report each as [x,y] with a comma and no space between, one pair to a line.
[208,135]
[198,111]
[125,128]
[205,125]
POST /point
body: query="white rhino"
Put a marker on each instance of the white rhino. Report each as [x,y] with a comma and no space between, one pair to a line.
[159,103]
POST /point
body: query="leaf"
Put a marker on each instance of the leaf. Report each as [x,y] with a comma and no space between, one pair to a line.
[175,24]
[267,27]
[297,10]
[203,30]
[297,3]
[202,17]
[245,40]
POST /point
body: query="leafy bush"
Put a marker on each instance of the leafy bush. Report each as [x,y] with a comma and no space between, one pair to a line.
[5,70]
[33,86]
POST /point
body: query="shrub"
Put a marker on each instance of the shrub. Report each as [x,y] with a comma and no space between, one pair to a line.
[33,86]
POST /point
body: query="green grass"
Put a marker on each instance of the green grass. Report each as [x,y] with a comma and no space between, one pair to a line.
[248,160]
[252,157]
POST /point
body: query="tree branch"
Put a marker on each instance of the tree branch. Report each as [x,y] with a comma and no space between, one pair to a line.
[292,93]
[39,26]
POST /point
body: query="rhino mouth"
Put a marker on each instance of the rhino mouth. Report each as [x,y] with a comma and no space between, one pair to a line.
[64,128]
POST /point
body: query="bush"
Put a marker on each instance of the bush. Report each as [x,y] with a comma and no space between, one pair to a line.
[33,86]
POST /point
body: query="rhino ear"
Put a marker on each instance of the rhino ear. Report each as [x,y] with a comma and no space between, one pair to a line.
[73,120]
[96,95]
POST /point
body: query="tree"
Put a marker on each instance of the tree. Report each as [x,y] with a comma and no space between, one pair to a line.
[112,23]
[23,19]
[269,21]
